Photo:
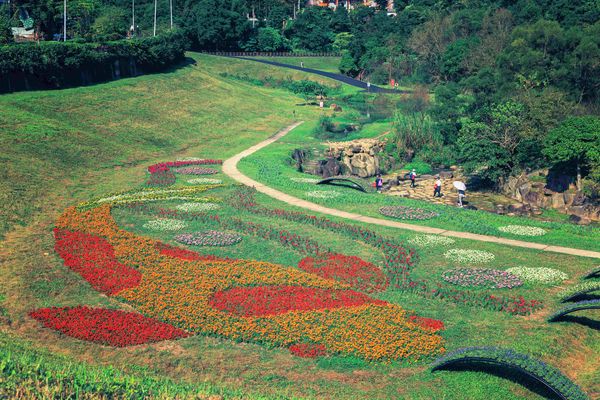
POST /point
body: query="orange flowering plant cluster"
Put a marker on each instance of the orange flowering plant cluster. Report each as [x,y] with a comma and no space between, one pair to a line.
[181,290]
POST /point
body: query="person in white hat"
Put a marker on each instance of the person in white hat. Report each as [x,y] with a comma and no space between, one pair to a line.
[437,187]
[413,177]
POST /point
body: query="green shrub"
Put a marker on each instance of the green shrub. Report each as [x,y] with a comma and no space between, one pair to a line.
[420,166]
[579,290]
[551,377]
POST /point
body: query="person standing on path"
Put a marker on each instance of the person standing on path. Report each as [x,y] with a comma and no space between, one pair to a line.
[378,183]
[301,64]
[461,196]
[413,177]
[437,187]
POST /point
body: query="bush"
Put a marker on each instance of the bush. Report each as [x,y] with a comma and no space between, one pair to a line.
[420,166]
[63,64]
[549,376]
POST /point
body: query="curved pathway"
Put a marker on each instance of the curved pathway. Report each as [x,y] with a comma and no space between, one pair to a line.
[230,169]
[331,75]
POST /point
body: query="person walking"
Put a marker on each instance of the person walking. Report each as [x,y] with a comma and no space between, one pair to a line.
[378,183]
[461,196]
[413,177]
[301,64]
[437,187]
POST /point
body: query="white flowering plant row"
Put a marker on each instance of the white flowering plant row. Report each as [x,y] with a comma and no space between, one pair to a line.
[522,230]
[539,275]
[469,256]
[197,207]
[323,194]
[165,224]
[431,241]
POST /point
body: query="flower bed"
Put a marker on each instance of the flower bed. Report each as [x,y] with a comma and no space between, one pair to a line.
[540,274]
[593,273]
[323,194]
[571,308]
[359,274]
[308,350]
[482,277]
[204,181]
[407,213]
[429,323]
[165,224]
[94,259]
[431,241]
[197,207]
[196,171]
[522,230]
[465,256]
[161,174]
[179,293]
[188,193]
[110,327]
[262,301]
[209,238]
[508,358]
[184,254]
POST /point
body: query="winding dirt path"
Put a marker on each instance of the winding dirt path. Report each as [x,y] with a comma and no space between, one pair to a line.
[230,169]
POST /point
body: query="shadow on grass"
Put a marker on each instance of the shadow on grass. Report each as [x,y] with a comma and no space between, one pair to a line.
[585,321]
[505,372]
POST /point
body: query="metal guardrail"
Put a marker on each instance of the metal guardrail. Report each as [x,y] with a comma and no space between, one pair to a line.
[268,54]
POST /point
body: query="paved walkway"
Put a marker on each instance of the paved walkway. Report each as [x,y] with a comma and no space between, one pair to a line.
[331,75]
[230,169]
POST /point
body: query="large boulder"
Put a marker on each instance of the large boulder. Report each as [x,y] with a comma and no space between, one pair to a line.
[362,158]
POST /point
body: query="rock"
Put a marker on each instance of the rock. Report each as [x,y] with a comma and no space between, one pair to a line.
[453,168]
[579,199]
[536,210]
[576,219]
[531,197]
[336,107]
[424,176]
[558,200]
[500,209]
[330,168]
[446,174]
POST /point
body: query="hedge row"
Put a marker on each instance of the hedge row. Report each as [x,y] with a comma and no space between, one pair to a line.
[26,66]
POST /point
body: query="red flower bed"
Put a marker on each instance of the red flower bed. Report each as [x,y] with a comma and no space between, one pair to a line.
[308,350]
[110,327]
[430,323]
[184,254]
[161,174]
[358,273]
[94,259]
[272,300]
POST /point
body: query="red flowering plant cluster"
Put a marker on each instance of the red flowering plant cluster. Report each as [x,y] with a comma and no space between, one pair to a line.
[356,272]
[430,323]
[261,301]
[94,259]
[184,254]
[308,350]
[109,327]
[161,174]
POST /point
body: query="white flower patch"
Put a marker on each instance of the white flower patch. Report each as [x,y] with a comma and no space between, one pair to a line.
[165,224]
[469,256]
[304,180]
[431,241]
[197,207]
[189,159]
[538,275]
[323,194]
[204,181]
[522,230]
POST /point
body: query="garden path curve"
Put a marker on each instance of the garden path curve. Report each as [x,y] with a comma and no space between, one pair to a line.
[230,169]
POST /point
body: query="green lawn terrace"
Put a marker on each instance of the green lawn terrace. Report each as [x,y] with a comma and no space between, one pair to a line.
[194,112]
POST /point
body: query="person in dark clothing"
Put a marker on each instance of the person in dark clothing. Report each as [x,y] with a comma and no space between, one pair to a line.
[437,187]
[413,177]
[378,183]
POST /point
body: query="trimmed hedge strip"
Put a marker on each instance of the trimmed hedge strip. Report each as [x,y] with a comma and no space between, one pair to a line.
[579,290]
[579,306]
[26,66]
[547,375]
[594,273]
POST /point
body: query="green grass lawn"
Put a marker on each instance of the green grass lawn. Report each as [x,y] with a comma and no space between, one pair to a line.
[63,147]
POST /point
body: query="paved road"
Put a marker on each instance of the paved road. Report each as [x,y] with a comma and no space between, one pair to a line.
[230,169]
[338,77]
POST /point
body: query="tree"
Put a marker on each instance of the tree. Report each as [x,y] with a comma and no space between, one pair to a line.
[308,89]
[489,143]
[575,141]
[5,32]
[311,29]
[269,39]
[112,23]
[216,25]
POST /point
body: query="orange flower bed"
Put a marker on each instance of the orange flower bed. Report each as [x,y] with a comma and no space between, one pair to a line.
[179,291]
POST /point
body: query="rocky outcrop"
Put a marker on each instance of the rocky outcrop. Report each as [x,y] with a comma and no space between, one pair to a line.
[542,195]
[363,158]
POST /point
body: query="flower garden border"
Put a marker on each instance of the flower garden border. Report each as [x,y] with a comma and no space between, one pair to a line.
[579,306]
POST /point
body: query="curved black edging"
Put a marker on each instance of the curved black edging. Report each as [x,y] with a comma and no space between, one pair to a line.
[580,306]
[333,181]
[491,361]
[595,273]
[331,75]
